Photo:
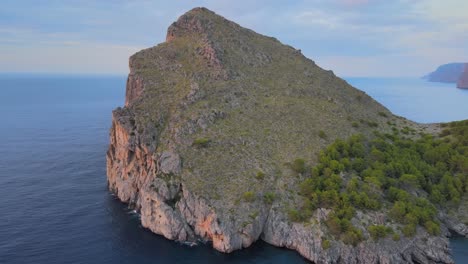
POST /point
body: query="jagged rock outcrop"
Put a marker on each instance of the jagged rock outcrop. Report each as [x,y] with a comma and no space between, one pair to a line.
[211,118]
[463,80]
[448,73]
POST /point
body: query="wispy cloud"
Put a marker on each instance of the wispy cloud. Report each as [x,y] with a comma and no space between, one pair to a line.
[317,17]
[354,2]
[67,57]
[352,37]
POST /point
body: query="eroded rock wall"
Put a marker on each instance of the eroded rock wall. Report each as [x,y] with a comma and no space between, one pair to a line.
[150,183]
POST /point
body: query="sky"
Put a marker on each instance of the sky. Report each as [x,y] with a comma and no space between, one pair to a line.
[375,38]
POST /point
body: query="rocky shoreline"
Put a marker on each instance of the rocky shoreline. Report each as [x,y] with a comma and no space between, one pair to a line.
[168,208]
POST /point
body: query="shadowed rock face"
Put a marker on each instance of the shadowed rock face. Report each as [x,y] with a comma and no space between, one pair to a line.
[463,80]
[216,104]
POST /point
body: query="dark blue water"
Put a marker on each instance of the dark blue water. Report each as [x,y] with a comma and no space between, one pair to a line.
[54,203]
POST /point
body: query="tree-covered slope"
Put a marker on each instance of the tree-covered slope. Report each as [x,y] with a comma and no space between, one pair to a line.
[410,179]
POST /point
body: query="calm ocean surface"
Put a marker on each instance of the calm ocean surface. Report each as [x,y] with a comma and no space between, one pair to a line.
[54,203]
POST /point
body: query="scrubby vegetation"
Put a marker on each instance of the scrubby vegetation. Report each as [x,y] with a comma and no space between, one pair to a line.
[248,196]
[383,114]
[408,178]
[298,166]
[269,197]
[322,134]
[379,231]
[325,243]
[260,175]
[201,142]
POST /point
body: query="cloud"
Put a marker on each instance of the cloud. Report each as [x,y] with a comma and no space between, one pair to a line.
[355,2]
[447,11]
[74,57]
[317,17]
[352,37]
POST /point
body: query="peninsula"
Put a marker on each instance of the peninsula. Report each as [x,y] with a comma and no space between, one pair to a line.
[448,73]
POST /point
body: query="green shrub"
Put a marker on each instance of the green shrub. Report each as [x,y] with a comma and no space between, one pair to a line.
[409,180]
[298,166]
[325,243]
[248,196]
[254,215]
[383,114]
[260,175]
[409,230]
[269,197]
[432,228]
[295,216]
[372,124]
[379,231]
[322,134]
[355,125]
[201,142]
[353,237]
[445,132]
[335,225]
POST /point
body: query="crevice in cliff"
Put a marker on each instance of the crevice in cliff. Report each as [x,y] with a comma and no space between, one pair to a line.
[130,156]
[173,202]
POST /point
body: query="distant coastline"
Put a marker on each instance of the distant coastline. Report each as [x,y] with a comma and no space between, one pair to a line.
[456,73]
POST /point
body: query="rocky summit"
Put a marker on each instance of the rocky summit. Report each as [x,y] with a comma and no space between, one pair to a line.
[221,128]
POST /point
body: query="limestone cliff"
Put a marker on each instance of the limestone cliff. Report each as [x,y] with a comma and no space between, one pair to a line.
[463,80]
[211,119]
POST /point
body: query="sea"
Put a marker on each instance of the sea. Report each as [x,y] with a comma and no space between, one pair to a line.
[54,203]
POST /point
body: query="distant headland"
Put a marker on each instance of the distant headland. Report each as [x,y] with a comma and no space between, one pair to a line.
[450,73]
[463,80]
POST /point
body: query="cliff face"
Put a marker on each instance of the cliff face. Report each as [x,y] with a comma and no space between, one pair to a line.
[463,80]
[448,73]
[210,120]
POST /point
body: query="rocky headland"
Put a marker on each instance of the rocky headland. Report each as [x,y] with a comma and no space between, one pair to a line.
[448,73]
[463,80]
[211,143]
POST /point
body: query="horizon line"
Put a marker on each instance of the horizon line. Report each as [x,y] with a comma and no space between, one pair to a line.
[126,74]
